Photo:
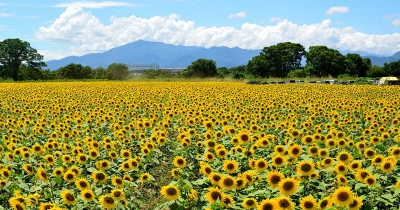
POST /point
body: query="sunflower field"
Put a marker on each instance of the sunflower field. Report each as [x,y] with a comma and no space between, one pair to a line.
[198,145]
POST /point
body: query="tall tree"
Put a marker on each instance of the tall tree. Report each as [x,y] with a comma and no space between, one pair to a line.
[13,53]
[325,61]
[75,71]
[357,65]
[202,68]
[117,71]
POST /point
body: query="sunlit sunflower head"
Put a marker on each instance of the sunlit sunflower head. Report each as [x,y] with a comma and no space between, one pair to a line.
[325,203]
[249,203]
[261,164]
[107,202]
[274,177]
[284,203]
[355,165]
[99,177]
[230,166]
[295,151]
[305,168]
[227,183]
[288,186]
[42,175]
[308,203]
[68,197]
[387,166]
[215,177]
[179,162]
[340,168]
[213,195]
[280,149]
[82,184]
[170,192]
[342,196]
[87,195]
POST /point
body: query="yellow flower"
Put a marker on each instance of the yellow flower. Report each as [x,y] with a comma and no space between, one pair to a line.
[179,162]
[250,203]
[308,203]
[68,197]
[342,196]
[230,166]
[288,186]
[107,202]
[227,183]
[305,168]
[170,192]
[87,195]
[213,195]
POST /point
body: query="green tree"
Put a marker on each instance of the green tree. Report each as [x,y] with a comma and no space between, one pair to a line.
[28,73]
[258,67]
[99,73]
[202,68]
[238,72]
[357,65]
[117,71]
[376,71]
[392,68]
[75,71]
[222,72]
[325,61]
[13,53]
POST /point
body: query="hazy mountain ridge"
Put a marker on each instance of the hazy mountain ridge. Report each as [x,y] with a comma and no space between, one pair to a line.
[178,56]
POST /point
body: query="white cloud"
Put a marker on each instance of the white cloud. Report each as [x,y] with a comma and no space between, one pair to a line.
[93,4]
[6,15]
[88,34]
[396,22]
[275,19]
[334,10]
[237,15]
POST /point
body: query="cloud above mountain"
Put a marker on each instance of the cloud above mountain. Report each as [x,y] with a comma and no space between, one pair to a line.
[88,34]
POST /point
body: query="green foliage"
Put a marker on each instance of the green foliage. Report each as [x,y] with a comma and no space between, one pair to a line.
[152,74]
[238,72]
[392,68]
[222,72]
[325,61]
[29,73]
[376,71]
[13,53]
[75,71]
[99,73]
[117,71]
[202,68]
[300,73]
[356,65]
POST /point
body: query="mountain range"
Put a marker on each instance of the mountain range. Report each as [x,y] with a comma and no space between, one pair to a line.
[178,56]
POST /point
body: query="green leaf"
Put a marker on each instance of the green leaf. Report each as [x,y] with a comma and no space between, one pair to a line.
[387,196]
[58,180]
[91,170]
[359,185]
[188,184]
[258,192]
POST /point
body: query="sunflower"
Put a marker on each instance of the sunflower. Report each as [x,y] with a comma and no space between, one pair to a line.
[118,194]
[32,200]
[227,200]
[288,186]
[214,177]
[342,196]
[387,166]
[362,174]
[47,206]
[370,181]
[307,140]
[117,182]
[284,203]
[230,166]
[28,169]
[278,160]
[145,177]
[249,203]
[42,175]
[305,168]
[240,183]
[279,149]
[355,165]
[308,203]
[170,192]
[107,202]
[261,164]
[99,177]
[397,185]
[87,195]
[274,177]
[369,153]
[179,162]
[341,180]
[68,197]
[295,151]
[344,157]
[378,159]
[213,195]
[325,203]
[295,133]
[222,153]
[227,183]
[340,168]
[82,184]
[268,204]
[69,176]
[356,203]
[244,138]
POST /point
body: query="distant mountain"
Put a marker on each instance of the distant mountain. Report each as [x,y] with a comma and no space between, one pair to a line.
[165,55]
[380,60]
[178,56]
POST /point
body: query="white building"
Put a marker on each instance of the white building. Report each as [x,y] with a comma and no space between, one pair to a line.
[141,67]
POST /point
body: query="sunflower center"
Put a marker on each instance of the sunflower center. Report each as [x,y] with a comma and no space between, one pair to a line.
[343,157]
[370,181]
[353,204]
[295,151]
[324,203]
[83,184]
[216,178]
[275,179]
[69,197]
[308,204]
[364,175]
[208,170]
[70,176]
[261,164]
[343,196]
[278,161]
[228,182]
[386,165]
[216,195]
[342,179]
[118,181]
[88,195]
[117,194]
[306,167]
[239,182]
[342,168]
[100,176]
[287,186]
[284,203]
[109,200]
[249,202]
[180,161]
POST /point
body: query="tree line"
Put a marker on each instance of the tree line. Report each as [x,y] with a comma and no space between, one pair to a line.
[19,61]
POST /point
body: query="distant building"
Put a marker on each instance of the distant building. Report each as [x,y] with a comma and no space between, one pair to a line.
[141,67]
[173,70]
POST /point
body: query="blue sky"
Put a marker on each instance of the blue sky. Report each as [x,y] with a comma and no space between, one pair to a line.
[61,28]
